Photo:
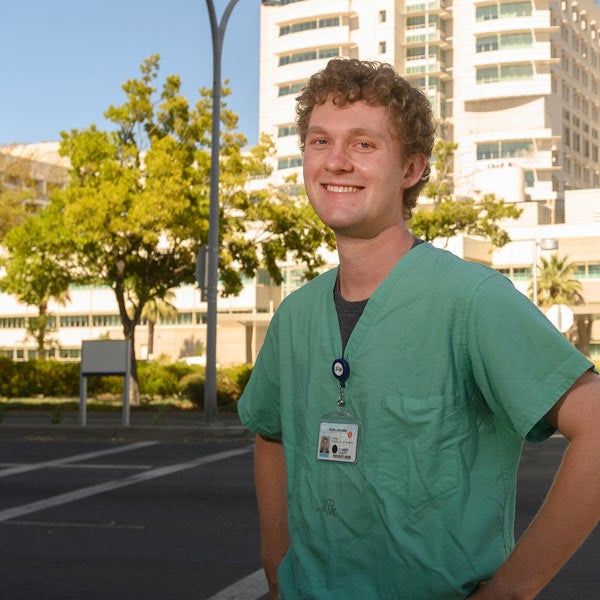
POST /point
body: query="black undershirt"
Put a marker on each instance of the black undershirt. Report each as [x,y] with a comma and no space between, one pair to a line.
[350,312]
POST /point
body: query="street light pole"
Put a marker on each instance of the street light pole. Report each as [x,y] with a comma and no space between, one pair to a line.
[210,384]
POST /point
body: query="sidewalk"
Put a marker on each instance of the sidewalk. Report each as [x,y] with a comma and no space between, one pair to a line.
[168,427]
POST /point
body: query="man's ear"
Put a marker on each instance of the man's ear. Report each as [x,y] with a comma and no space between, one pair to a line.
[413,169]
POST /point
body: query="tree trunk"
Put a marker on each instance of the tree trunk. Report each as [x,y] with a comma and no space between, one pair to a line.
[584,333]
[129,324]
[151,323]
[40,333]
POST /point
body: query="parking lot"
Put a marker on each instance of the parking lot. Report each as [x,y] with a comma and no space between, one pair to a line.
[135,520]
[164,520]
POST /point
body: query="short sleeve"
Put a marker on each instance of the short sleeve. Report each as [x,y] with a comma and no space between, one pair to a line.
[521,362]
[259,406]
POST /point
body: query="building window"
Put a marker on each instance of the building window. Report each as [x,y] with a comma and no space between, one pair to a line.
[286,130]
[492,150]
[382,47]
[415,53]
[518,148]
[488,43]
[286,90]
[594,271]
[508,10]
[521,273]
[106,320]
[487,75]
[183,318]
[329,52]
[486,13]
[288,59]
[289,162]
[382,16]
[12,322]
[309,25]
[529,178]
[516,40]
[516,72]
[74,321]
[488,151]
[297,57]
[331,22]
[415,22]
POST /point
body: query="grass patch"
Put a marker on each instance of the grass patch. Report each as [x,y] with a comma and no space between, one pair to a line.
[104,403]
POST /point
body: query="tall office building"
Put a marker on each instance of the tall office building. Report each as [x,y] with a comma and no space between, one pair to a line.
[516,84]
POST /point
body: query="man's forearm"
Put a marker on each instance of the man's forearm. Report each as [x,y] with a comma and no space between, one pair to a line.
[270,477]
[568,515]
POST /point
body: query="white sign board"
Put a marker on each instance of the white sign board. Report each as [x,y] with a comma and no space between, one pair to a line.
[561,316]
[105,357]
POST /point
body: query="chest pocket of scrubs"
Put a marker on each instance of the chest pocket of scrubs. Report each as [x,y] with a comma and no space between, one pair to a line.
[418,458]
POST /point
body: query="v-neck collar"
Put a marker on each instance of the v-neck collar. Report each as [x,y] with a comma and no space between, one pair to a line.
[401,269]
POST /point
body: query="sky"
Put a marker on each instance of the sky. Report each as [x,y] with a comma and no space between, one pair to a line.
[62,62]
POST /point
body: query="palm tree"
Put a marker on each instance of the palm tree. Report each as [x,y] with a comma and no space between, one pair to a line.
[155,309]
[556,283]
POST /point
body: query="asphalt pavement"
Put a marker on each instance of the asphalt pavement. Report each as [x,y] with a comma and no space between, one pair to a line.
[179,504]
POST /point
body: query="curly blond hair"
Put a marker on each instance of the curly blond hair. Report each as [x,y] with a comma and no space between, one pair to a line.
[345,81]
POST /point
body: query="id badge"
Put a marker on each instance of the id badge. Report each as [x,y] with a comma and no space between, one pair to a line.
[338,437]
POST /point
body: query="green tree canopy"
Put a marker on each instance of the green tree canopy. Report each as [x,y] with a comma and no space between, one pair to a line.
[448,217]
[556,283]
[17,192]
[136,208]
[38,268]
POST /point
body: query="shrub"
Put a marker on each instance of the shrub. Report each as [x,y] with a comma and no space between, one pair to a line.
[38,378]
[229,388]
[156,379]
[53,378]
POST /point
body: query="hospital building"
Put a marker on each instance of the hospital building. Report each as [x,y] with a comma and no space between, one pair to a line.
[516,84]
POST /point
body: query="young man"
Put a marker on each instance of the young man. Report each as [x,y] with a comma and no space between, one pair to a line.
[425,372]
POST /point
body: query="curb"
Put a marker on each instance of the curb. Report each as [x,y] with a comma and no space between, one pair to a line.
[173,428]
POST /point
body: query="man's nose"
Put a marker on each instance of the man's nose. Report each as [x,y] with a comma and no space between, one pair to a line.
[338,159]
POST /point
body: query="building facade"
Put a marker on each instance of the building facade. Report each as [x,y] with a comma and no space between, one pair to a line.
[516,84]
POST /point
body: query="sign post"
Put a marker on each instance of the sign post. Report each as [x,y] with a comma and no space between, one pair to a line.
[105,357]
[561,316]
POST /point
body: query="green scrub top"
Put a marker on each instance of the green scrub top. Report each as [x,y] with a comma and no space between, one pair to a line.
[451,369]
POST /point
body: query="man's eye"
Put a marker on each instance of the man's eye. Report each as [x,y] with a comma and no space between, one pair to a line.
[364,145]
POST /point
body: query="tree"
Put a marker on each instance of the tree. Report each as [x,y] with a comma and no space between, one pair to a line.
[557,285]
[154,309]
[136,207]
[38,269]
[448,217]
[555,282]
[17,192]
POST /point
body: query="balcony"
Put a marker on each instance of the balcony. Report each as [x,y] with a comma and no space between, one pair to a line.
[301,40]
[423,35]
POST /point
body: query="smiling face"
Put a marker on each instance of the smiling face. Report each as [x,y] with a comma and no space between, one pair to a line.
[354,171]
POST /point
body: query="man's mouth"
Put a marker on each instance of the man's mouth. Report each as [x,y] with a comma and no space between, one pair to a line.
[341,189]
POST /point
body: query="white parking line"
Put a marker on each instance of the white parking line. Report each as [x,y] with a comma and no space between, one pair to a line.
[93,490]
[75,458]
[56,524]
[250,588]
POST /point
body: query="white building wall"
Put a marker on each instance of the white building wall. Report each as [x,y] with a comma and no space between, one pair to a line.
[563,90]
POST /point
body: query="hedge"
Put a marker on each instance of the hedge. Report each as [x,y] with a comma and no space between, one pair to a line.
[43,378]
